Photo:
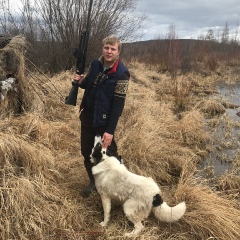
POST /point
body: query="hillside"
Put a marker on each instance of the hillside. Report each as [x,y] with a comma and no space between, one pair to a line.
[161,133]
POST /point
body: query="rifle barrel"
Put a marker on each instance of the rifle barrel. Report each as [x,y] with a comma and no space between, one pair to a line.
[80,54]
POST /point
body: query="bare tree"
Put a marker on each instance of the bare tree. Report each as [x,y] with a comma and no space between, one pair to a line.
[225,34]
[210,35]
[8,25]
[235,38]
[171,32]
[57,25]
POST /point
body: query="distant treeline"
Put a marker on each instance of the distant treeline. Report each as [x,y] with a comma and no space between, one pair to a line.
[53,30]
[185,55]
[169,55]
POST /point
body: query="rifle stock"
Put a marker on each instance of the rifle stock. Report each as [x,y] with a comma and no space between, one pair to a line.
[80,54]
[71,99]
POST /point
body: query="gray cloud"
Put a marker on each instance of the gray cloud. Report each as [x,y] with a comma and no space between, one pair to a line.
[190,17]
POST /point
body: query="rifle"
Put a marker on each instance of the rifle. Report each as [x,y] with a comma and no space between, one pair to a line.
[80,54]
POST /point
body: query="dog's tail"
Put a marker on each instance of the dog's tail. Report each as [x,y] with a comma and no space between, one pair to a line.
[169,214]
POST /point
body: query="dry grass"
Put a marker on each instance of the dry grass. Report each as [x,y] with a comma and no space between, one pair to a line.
[12,62]
[11,56]
[211,107]
[42,170]
[206,216]
[229,183]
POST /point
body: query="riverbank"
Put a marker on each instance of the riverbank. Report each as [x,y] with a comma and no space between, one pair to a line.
[165,132]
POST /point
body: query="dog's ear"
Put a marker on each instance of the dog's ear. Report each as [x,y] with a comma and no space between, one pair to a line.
[120,159]
[109,154]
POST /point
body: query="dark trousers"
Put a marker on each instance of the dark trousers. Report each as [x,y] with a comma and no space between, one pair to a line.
[88,133]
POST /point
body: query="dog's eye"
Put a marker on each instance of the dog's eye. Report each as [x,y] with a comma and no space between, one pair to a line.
[104,152]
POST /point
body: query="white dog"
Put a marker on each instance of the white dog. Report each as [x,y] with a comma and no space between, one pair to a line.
[138,194]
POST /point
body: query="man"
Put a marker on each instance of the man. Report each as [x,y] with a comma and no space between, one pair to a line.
[105,85]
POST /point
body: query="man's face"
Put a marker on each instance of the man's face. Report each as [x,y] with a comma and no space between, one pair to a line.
[110,53]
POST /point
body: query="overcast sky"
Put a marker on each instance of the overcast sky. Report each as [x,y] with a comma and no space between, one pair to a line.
[191,18]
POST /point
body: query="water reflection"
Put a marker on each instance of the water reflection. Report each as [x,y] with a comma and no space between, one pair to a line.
[225,134]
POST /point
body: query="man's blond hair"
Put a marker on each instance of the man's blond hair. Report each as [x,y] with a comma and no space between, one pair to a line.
[112,40]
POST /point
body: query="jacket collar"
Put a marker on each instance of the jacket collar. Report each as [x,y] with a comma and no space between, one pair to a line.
[113,67]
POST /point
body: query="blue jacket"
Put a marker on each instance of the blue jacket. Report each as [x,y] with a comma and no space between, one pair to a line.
[105,93]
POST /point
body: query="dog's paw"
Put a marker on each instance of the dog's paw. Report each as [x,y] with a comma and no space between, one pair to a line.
[127,235]
[103,224]
[130,235]
[134,233]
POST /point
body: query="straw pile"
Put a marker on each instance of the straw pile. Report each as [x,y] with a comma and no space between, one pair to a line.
[42,170]
[12,64]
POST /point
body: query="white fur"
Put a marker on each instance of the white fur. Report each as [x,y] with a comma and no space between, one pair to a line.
[114,181]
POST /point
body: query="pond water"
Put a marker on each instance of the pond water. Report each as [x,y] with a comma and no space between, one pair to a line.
[226,133]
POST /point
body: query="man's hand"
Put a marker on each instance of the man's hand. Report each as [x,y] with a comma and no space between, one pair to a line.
[79,78]
[106,139]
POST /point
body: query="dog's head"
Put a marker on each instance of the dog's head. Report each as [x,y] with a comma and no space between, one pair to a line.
[99,153]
